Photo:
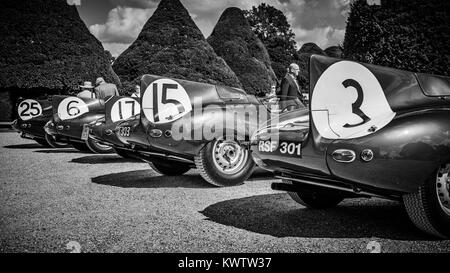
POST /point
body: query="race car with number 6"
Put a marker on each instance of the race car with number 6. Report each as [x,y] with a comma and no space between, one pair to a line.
[370,131]
[71,119]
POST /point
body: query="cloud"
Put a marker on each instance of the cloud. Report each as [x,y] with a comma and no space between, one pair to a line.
[321,22]
[115,48]
[312,14]
[142,4]
[122,26]
[323,37]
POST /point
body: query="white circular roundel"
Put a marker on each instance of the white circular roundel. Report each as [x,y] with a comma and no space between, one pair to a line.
[71,107]
[124,108]
[347,101]
[29,109]
[164,101]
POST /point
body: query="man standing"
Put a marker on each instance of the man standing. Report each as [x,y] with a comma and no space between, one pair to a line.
[289,84]
[105,89]
[137,92]
[290,89]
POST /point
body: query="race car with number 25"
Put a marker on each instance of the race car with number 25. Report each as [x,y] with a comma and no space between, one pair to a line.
[32,116]
[369,131]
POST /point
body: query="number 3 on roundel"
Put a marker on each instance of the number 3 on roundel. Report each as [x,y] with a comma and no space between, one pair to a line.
[29,109]
[347,100]
[165,100]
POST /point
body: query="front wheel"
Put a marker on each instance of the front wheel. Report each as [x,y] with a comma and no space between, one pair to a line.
[98,148]
[224,163]
[170,169]
[315,198]
[429,207]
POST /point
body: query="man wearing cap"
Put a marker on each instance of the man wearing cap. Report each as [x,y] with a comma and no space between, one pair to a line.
[87,90]
[105,89]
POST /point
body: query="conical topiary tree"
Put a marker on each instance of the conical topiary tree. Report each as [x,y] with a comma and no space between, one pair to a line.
[46,49]
[234,41]
[303,55]
[170,44]
[45,45]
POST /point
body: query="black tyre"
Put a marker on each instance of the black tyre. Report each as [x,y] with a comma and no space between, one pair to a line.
[80,146]
[429,207]
[170,168]
[224,163]
[51,141]
[42,142]
[316,198]
[99,148]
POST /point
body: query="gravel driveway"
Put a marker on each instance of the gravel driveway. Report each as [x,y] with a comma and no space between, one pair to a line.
[55,199]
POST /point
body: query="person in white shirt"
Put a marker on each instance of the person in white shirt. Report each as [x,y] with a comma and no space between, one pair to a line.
[87,90]
[137,92]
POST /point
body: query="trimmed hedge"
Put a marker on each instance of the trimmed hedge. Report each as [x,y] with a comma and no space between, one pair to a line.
[411,35]
[234,41]
[170,44]
[45,44]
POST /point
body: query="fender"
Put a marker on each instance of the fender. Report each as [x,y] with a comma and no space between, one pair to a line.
[72,113]
[406,152]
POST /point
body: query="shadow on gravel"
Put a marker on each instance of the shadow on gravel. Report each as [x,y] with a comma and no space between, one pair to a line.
[260,174]
[24,146]
[103,159]
[59,151]
[147,179]
[278,215]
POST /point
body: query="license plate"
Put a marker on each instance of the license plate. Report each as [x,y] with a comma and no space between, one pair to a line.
[280,147]
[85,133]
[124,131]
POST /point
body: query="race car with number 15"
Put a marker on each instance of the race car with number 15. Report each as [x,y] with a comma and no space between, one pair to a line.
[184,124]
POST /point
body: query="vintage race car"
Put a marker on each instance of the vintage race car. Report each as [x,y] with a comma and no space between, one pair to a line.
[117,109]
[32,116]
[369,131]
[184,124]
[70,122]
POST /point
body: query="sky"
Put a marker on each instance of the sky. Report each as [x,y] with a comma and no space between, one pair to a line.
[117,23]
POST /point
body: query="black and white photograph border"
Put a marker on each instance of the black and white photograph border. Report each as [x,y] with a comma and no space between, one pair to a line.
[346,148]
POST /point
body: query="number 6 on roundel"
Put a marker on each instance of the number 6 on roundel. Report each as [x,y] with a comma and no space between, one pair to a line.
[164,101]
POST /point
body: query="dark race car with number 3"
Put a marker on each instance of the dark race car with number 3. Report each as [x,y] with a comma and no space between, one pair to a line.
[185,124]
[71,119]
[370,131]
[32,116]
